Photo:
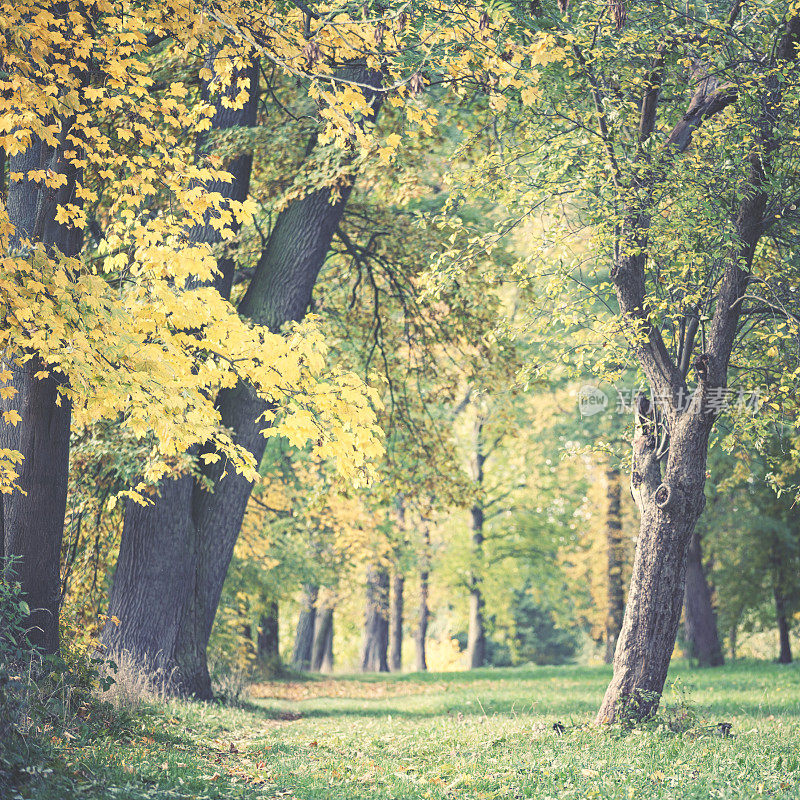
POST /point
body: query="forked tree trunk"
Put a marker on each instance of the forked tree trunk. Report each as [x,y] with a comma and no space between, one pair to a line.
[421,633]
[376,622]
[396,624]
[323,641]
[32,517]
[616,594]
[700,621]
[785,647]
[279,292]
[669,509]
[304,637]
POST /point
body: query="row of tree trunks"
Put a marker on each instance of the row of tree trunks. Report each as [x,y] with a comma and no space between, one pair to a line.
[208,523]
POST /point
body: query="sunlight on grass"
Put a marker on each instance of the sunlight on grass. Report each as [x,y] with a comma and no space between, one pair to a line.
[487,734]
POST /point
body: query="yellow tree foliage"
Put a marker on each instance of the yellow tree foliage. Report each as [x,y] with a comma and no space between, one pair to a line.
[138,333]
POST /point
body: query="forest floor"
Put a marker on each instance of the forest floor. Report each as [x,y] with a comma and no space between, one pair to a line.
[485,734]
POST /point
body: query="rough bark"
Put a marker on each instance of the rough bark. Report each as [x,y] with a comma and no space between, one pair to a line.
[154,588]
[32,520]
[376,622]
[268,640]
[670,506]
[322,651]
[304,636]
[700,621]
[615,593]
[421,633]
[785,648]
[279,292]
[396,624]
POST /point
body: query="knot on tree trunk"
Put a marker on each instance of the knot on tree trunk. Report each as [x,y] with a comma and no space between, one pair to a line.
[701,366]
[662,495]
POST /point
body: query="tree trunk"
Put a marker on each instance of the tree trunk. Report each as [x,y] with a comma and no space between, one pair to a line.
[421,633]
[700,621]
[396,624]
[33,522]
[279,292]
[732,636]
[268,640]
[304,637]
[376,622]
[616,594]
[32,516]
[669,510]
[785,654]
[476,634]
[153,591]
[322,653]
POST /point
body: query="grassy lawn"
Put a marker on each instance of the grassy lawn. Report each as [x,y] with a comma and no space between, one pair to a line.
[487,734]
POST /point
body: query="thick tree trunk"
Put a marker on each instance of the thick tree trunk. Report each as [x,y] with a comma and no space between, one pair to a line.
[785,651]
[322,653]
[33,522]
[32,517]
[268,640]
[376,622]
[421,633]
[396,624]
[153,591]
[700,621]
[279,292]
[616,594]
[669,509]
[304,637]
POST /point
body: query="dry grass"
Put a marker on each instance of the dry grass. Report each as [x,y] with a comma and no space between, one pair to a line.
[136,681]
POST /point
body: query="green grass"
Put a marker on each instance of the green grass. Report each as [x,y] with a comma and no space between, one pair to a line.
[486,734]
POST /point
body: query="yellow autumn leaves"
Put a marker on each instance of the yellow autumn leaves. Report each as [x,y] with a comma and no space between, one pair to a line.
[134,328]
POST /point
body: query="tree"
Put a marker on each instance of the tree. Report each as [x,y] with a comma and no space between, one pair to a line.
[376,621]
[700,621]
[208,523]
[681,167]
